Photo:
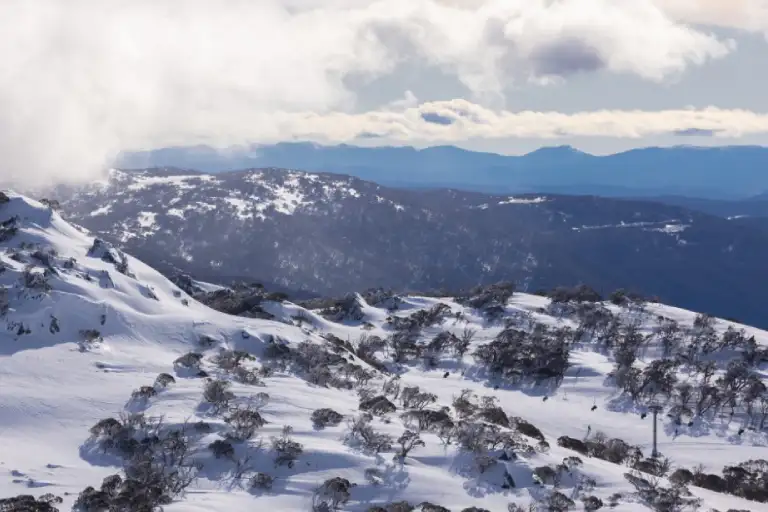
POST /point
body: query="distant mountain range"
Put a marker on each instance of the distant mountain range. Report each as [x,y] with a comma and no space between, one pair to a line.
[332,234]
[732,172]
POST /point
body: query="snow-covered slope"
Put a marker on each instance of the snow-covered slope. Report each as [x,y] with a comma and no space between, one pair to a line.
[88,325]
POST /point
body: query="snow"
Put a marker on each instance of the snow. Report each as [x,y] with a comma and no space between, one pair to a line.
[241,207]
[181,182]
[523,200]
[673,228]
[147,220]
[104,210]
[51,392]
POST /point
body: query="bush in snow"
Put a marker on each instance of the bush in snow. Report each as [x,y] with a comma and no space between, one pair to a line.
[217,393]
[221,448]
[398,506]
[426,506]
[659,498]
[326,417]
[681,476]
[421,319]
[28,503]
[361,433]
[464,404]
[333,493]
[347,308]
[244,422]
[190,360]
[413,398]
[164,380]
[514,507]
[380,298]
[559,502]
[527,428]
[206,341]
[491,413]
[427,419]
[143,393]
[378,405]
[146,487]
[229,360]
[202,427]
[247,376]
[408,441]
[89,338]
[592,503]
[488,296]
[516,354]
[581,293]
[261,481]
[367,346]
[33,279]
[546,475]
[656,466]
[157,466]
[286,448]
[574,444]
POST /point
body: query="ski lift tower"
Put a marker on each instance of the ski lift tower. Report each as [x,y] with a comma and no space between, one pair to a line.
[655,409]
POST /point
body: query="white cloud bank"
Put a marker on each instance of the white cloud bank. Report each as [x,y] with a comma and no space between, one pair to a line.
[82,79]
[458,120]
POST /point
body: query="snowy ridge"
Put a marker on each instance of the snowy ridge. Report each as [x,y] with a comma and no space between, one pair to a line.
[119,324]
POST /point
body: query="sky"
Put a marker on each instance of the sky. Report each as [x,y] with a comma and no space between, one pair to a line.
[82,80]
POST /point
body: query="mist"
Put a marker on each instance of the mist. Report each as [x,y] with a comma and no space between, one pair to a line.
[82,80]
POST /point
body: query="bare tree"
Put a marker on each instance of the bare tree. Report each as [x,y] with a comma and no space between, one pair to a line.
[408,441]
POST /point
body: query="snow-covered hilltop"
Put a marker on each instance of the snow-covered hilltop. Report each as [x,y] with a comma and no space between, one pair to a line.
[376,402]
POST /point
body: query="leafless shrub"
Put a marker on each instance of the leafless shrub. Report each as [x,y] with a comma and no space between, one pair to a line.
[287,449]
[244,422]
[261,481]
[217,393]
[362,433]
[408,441]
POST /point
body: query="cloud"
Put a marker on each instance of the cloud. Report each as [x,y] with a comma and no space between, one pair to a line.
[749,15]
[472,121]
[434,118]
[566,57]
[83,79]
[695,132]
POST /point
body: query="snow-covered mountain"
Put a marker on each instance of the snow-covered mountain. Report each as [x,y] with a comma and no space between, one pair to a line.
[372,403]
[332,234]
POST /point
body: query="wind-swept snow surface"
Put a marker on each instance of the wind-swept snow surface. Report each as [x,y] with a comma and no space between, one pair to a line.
[87,326]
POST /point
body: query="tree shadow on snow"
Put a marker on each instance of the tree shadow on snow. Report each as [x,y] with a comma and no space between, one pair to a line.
[394,479]
[479,485]
[528,386]
[724,427]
